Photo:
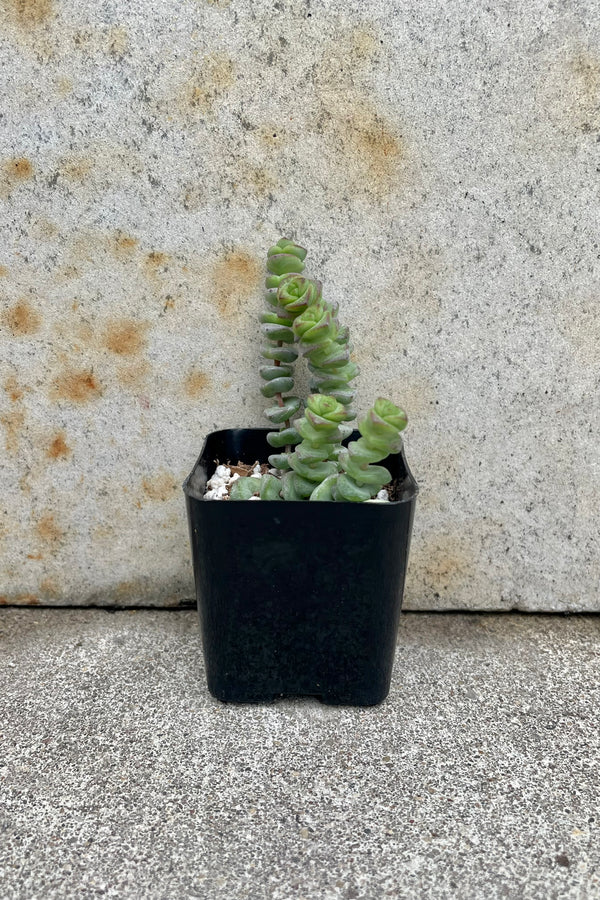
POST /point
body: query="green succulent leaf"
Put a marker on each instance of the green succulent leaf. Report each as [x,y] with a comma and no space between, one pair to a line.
[270,488]
[243,488]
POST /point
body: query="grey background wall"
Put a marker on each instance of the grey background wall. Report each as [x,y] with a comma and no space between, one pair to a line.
[441,163]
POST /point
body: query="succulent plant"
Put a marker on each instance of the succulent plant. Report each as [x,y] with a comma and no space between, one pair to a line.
[299,319]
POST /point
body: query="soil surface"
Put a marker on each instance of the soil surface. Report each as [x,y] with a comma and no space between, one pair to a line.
[243,469]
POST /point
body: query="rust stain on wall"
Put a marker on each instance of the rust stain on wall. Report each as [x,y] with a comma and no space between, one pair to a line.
[161,486]
[362,145]
[444,562]
[13,422]
[15,171]
[22,319]
[155,263]
[48,531]
[196,383]
[235,277]
[58,447]
[19,599]
[49,588]
[124,245]
[30,13]
[76,386]
[363,148]
[14,389]
[125,337]
[3,272]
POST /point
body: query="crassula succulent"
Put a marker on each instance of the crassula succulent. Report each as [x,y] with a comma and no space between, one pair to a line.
[312,463]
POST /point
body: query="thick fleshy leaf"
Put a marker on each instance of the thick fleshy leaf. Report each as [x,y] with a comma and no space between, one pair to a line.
[283,354]
[284,437]
[277,386]
[271,372]
[270,488]
[278,333]
[243,488]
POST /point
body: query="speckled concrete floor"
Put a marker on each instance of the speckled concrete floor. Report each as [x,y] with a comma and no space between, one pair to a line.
[121,777]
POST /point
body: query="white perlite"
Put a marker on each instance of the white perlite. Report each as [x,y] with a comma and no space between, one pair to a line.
[218,484]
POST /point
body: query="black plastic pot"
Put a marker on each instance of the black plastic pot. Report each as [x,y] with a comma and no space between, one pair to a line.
[297,598]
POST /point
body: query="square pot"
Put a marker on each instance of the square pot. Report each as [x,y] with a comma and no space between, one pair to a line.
[297,598]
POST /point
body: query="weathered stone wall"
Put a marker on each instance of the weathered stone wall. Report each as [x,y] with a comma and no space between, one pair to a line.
[439,160]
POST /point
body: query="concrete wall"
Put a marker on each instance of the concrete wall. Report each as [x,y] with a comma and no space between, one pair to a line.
[439,160]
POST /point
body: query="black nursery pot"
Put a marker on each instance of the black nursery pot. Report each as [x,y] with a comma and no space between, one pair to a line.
[297,598]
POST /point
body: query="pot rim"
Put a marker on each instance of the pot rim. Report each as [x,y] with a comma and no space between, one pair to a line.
[409,491]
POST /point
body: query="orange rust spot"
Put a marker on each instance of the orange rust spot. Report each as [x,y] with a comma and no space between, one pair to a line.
[28,13]
[3,272]
[58,447]
[47,529]
[161,486]
[48,587]
[22,318]
[19,169]
[35,556]
[124,245]
[363,148]
[13,422]
[21,599]
[155,260]
[14,390]
[196,383]
[125,337]
[445,562]
[235,277]
[76,385]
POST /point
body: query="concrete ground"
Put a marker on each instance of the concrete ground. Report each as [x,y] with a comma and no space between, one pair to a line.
[120,777]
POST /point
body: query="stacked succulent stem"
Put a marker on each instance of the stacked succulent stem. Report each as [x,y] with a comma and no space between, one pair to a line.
[380,435]
[315,459]
[320,468]
[326,347]
[288,294]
